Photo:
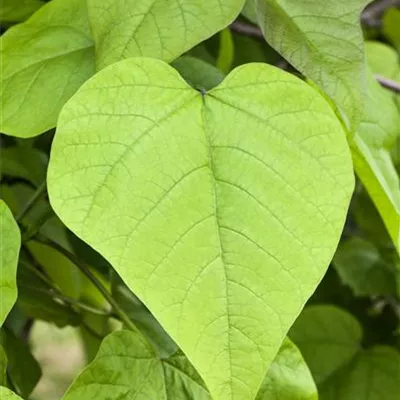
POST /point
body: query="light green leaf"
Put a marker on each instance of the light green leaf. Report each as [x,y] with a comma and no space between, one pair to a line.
[44,61]
[127,367]
[223,243]
[288,378]
[360,266]
[24,162]
[198,73]
[327,337]
[226,51]
[10,243]
[249,11]
[161,29]
[324,43]
[7,394]
[373,375]
[382,59]
[12,11]
[371,148]
[23,369]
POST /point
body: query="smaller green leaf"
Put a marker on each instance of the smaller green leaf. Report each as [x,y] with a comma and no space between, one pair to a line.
[199,74]
[44,61]
[382,59]
[288,377]
[226,52]
[373,375]
[127,367]
[7,394]
[324,43]
[23,369]
[128,28]
[390,22]
[327,337]
[10,243]
[360,266]
[13,11]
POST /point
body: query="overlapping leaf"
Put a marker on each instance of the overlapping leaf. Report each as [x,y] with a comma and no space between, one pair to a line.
[10,242]
[323,42]
[221,211]
[162,29]
[44,61]
[371,149]
[7,394]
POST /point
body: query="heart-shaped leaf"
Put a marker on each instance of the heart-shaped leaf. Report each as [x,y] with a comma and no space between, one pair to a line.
[162,29]
[324,42]
[10,243]
[221,211]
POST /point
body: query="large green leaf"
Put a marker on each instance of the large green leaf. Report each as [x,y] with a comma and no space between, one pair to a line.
[330,341]
[382,59]
[10,242]
[127,367]
[12,11]
[323,42]
[162,29]
[221,211]
[7,394]
[23,369]
[44,61]
[371,148]
[361,266]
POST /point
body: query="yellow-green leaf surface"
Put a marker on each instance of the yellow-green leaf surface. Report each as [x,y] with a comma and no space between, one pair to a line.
[371,149]
[382,59]
[324,42]
[44,61]
[10,242]
[221,211]
[127,367]
[7,394]
[161,29]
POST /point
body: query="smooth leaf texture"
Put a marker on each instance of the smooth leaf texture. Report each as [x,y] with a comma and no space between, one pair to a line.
[221,211]
[323,42]
[44,61]
[127,367]
[372,375]
[371,148]
[361,266]
[382,59]
[7,394]
[327,337]
[10,243]
[288,378]
[161,29]
[3,367]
